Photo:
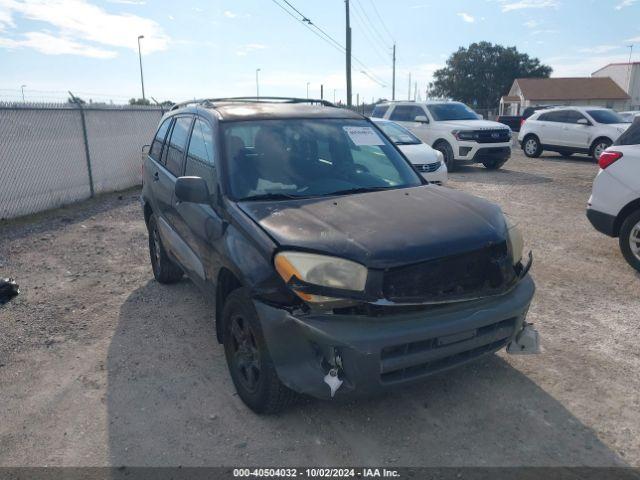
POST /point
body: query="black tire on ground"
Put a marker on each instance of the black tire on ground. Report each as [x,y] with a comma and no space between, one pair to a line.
[565,153]
[598,146]
[248,359]
[531,146]
[447,152]
[165,270]
[494,164]
[629,231]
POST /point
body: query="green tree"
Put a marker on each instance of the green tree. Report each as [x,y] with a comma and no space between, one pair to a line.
[139,101]
[481,74]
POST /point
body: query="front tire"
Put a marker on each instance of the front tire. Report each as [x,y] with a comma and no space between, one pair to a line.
[599,146]
[630,239]
[531,146]
[494,164]
[165,270]
[447,152]
[248,359]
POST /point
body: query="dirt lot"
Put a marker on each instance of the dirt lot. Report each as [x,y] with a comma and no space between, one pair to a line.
[101,365]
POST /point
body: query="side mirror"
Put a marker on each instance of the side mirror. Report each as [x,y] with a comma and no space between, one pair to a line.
[421,119]
[583,121]
[192,189]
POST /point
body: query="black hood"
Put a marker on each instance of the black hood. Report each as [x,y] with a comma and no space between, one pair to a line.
[385,228]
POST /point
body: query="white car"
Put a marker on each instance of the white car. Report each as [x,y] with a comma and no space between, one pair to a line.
[429,162]
[568,130]
[614,206]
[630,115]
[453,129]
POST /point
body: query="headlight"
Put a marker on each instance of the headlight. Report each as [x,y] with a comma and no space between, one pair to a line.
[439,156]
[465,135]
[322,270]
[516,242]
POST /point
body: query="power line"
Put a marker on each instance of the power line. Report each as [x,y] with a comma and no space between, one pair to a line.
[372,42]
[306,21]
[373,4]
[371,27]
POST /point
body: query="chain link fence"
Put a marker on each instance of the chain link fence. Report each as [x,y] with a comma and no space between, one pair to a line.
[55,154]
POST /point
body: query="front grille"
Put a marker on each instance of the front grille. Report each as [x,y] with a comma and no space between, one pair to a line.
[427,167]
[468,275]
[500,135]
[415,359]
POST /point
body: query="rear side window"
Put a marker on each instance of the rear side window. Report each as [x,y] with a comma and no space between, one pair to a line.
[631,136]
[556,116]
[177,145]
[406,113]
[156,147]
[572,116]
[379,111]
[200,160]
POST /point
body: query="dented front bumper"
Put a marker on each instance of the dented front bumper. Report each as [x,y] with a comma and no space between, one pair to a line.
[375,353]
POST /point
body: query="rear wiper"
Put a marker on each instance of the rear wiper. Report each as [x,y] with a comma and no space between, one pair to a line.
[269,196]
[359,190]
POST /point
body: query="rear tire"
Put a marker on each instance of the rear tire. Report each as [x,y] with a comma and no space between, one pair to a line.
[494,164]
[531,146]
[599,146]
[248,359]
[630,239]
[447,152]
[565,153]
[165,270]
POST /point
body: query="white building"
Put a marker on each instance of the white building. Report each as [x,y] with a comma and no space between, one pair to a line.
[627,76]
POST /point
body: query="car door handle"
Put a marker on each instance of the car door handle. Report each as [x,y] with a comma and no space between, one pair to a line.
[156,176]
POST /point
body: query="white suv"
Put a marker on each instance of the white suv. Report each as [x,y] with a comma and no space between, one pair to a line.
[614,206]
[568,130]
[453,129]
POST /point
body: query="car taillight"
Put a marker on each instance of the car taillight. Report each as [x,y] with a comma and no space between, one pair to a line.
[522,122]
[607,158]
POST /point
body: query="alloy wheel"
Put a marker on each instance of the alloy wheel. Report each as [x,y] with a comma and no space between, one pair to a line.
[246,356]
[599,148]
[531,146]
[634,240]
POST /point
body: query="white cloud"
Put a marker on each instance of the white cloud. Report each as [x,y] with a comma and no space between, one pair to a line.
[625,3]
[531,24]
[466,17]
[581,65]
[633,40]
[250,47]
[509,5]
[129,2]
[79,22]
[599,49]
[52,45]
[230,14]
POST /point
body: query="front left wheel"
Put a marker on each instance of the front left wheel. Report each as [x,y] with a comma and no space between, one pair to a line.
[248,359]
[599,146]
[630,239]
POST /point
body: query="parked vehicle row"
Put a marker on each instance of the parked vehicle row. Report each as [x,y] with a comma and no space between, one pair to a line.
[452,128]
[336,268]
[514,122]
[614,205]
[569,130]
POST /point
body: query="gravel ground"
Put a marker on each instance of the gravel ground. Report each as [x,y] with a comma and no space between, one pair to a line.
[101,365]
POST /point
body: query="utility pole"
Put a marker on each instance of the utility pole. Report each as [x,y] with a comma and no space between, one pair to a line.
[415,91]
[393,80]
[140,57]
[629,70]
[308,89]
[22,89]
[348,52]
[321,91]
[257,84]
[409,92]
[334,95]
[357,101]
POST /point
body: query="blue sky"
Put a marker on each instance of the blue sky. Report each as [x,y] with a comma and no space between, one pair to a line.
[197,48]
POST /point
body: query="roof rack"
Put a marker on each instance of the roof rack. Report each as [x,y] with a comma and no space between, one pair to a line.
[212,101]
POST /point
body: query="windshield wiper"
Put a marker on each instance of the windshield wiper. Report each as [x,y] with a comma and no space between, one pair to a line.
[270,196]
[407,143]
[359,190]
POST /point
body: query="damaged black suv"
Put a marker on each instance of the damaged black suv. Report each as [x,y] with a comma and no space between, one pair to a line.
[336,268]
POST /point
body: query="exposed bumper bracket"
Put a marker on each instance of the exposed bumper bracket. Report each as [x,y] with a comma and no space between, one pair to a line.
[527,342]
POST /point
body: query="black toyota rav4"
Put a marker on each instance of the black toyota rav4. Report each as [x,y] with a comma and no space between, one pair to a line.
[335,267]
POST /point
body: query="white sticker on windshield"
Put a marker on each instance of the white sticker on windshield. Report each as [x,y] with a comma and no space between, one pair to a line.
[363,136]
